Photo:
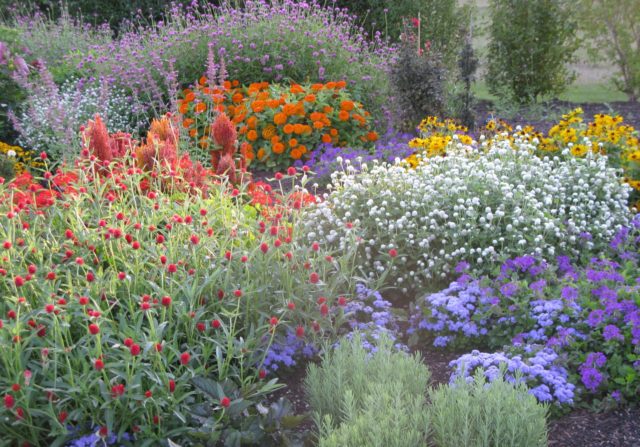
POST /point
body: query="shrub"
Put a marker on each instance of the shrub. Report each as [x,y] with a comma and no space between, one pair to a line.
[388,418]
[417,79]
[612,29]
[119,287]
[349,376]
[418,224]
[479,414]
[51,116]
[278,123]
[531,44]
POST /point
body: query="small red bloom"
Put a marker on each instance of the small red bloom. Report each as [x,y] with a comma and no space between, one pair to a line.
[83,300]
[159,347]
[156,419]
[103,432]
[6,245]
[194,239]
[159,239]
[128,342]
[262,374]
[94,329]
[15,387]
[273,321]
[98,364]
[166,301]
[19,281]
[291,305]
[225,402]
[201,327]
[135,245]
[278,176]
[172,268]
[185,357]
[314,278]
[148,394]
[215,324]
[49,308]
[393,252]
[122,276]
[90,277]
[264,247]
[172,385]
[342,301]
[134,349]
[324,310]
[32,269]
[9,401]
[62,416]
[238,293]
[51,276]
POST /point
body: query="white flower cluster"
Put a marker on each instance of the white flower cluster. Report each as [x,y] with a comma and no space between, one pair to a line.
[467,206]
[52,121]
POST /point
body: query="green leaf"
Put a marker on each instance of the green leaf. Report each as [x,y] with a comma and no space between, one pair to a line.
[208,386]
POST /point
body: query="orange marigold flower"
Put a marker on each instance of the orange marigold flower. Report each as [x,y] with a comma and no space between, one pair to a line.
[310,98]
[193,133]
[200,107]
[252,135]
[257,106]
[327,109]
[235,83]
[302,148]
[278,148]
[343,115]
[275,139]
[318,124]
[341,84]
[296,154]
[237,97]
[296,88]
[330,85]
[190,96]
[288,129]
[326,138]
[280,119]
[347,105]
[293,142]
[261,153]
[227,85]
[273,103]
[317,87]
[298,128]
[203,80]
[334,132]
[269,131]
[188,122]
[372,136]
[183,108]
[252,122]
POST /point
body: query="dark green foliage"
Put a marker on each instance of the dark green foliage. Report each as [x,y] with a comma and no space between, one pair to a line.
[442,20]
[10,93]
[467,66]
[532,41]
[418,82]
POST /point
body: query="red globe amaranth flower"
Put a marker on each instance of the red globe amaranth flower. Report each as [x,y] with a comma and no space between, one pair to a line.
[134,349]
[172,385]
[393,252]
[215,324]
[238,293]
[15,387]
[148,394]
[103,432]
[94,329]
[185,357]
[159,347]
[194,239]
[273,321]
[225,402]
[128,342]
[156,419]
[9,401]
[117,390]
[90,277]
[264,247]
[166,301]
[300,332]
[172,268]
[51,276]
[314,278]
[262,374]
[18,281]
[83,300]
[98,364]
[291,305]
[62,416]
[324,310]
[19,413]
[342,301]
[201,326]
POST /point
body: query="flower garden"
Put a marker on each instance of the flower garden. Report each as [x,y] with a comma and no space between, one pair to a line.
[201,212]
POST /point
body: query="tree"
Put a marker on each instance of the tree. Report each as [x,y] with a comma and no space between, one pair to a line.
[531,45]
[613,29]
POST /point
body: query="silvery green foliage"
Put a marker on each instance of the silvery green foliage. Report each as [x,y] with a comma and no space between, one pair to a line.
[53,114]
[471,206]
[476,413]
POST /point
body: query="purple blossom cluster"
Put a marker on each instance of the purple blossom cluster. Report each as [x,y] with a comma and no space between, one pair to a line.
[262,41]
[324,160]
[368,314]
[95,440]
[578,316]
[538,368]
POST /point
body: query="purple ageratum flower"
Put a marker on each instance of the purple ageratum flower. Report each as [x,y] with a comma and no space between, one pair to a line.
[509,289]
[612,332]
[591,378]
[597,359]
[538,286]
[462,266]
[616,395]
[595,317]
[569,293]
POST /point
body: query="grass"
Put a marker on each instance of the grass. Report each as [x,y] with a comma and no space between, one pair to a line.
[579,93]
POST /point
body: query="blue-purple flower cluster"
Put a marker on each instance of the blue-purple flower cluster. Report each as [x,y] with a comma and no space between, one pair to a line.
[555,321]
[368,313]
[538,368]
[95,440]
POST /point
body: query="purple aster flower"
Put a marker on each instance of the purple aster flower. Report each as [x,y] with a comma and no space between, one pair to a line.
[612,332]
[509,289]
[591,378]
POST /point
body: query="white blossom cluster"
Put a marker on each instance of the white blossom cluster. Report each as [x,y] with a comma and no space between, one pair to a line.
[51,122]
[478,208]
